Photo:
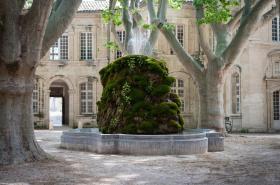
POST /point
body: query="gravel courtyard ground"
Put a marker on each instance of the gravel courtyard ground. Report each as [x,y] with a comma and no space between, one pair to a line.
[247,159]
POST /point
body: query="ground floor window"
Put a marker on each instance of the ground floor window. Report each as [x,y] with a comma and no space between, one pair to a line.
[86,98]
[276,104]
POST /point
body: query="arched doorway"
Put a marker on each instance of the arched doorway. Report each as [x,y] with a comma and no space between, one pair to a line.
[59,103]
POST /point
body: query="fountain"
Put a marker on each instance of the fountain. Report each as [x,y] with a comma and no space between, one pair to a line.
[138,115]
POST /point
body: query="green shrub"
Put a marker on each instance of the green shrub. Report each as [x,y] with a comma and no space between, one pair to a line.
[136,98]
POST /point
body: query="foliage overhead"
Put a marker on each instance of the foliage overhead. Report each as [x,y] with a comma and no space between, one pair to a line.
[215,11]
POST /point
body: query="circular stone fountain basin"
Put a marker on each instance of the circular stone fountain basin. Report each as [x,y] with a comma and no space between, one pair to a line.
[188,142]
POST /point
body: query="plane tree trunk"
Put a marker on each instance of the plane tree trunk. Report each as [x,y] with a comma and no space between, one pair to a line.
[17,141]
[210,92]
[214,98]
[23,41]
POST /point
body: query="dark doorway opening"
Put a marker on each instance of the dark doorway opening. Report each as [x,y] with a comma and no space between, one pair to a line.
[59,104]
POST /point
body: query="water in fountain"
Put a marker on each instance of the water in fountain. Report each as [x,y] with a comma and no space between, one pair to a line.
[139,43]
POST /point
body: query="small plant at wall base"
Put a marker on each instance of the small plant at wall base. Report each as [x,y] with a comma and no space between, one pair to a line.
[136,98]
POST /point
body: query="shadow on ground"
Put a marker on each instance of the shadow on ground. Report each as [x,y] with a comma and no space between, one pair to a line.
[247,159]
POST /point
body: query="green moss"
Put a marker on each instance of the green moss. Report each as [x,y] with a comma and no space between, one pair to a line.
[166,108]
[148,127]
[136,97]
[129,129]
[140,80]
[175,98]
[181,120]
[160,90]
[169,80]
[175,124]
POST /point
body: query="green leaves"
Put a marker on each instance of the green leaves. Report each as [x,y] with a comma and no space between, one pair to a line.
[215,11]
[176,4]
[112,45]
[112,15]
[168,26]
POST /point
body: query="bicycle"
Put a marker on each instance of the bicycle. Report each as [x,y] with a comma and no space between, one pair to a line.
[228,124]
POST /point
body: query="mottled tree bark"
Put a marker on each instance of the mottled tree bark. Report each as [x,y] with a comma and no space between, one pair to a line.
[21,42]
[17,142]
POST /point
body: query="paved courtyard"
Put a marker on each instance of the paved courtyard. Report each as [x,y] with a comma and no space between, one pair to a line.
[247,159]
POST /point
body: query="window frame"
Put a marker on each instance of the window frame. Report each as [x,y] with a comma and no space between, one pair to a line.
[275,29]
[181,41]
[236,92]
[176,88]
[58,45]
[35,98]
[88,48]
[88,101]
[121,37]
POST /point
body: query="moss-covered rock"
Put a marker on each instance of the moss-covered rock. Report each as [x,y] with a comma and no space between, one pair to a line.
[136,98]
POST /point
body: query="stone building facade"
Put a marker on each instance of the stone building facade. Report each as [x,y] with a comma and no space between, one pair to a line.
[70,71]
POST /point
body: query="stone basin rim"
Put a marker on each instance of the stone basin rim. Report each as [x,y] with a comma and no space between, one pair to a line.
[185,143]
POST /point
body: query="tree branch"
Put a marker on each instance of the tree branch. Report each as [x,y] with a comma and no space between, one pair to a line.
[112,6]
[117,39]
[187,60]
[235,19]
[246,10]
[152,14]
[126,21]
[10,41]
[162,10]
[247,27]
[202,30]
[58,22]
[222,36]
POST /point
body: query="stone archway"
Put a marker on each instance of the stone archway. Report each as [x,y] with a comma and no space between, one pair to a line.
[60,88]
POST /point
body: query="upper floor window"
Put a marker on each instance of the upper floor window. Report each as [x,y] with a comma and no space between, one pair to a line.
[59,51]
[276,69]
[178,87]
[236,93]
[86,46]
[35,98]
[86,98]
[275,29]
[121,36]
[179,33]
